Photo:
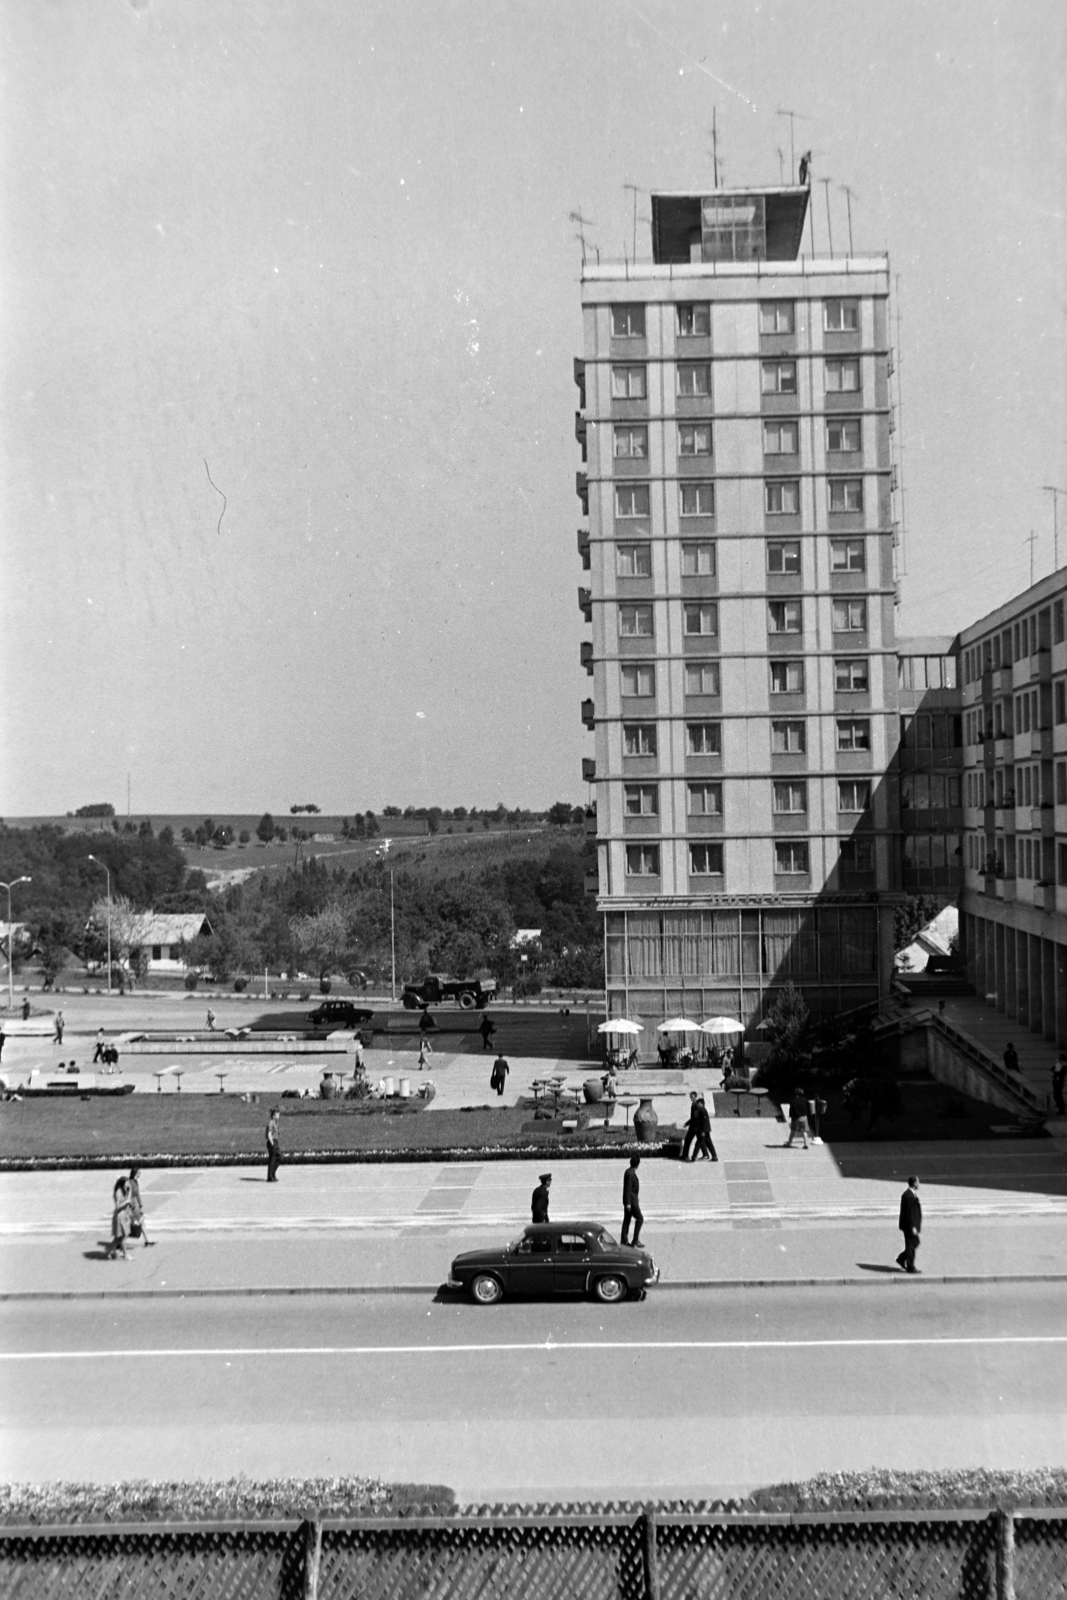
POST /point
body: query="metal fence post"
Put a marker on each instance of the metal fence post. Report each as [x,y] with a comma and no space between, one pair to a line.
[651,1570]
[312,1557]
[1005,1526]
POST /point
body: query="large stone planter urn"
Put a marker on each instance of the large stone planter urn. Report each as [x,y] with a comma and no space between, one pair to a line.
[646,1121]
[593,1090]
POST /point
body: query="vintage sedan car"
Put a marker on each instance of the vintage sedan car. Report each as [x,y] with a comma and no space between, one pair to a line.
[556,1258]
[338,1014]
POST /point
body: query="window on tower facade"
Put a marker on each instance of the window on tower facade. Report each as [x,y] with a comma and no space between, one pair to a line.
[853,733]
[703,738]
[850,616]
[694,378]
[781,497]
[702,677]
[628,322]
[790,797]
[857,855]
[698,560]
[628,383]
[631,443]
[638,680]
[847,555]
[787,677]
[632,500]
[778,377]
[694,439]
[633,560]
[853,794]
[788,738]
[642,860]
[700,618]
[851,675]
[693,321]
[845,494]
[780,437]
[697,499]
[841,316]
[639,738]
[641,799]
[705,860]
[635,622]
[842,434]
[791,856]
[776,316]
[783,555]
[705,800]
[784,616]
[842,377]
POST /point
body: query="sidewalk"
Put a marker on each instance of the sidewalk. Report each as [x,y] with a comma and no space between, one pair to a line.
[763,1212]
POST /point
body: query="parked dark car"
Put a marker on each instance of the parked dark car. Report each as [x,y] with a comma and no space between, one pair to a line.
[338,1014]
[556,1258]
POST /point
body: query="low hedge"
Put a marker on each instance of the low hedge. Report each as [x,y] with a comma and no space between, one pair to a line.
[879,1489]
[233,1499]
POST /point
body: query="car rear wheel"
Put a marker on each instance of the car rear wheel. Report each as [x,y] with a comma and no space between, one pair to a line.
[611,1290]
[467,1000]
[486,1289]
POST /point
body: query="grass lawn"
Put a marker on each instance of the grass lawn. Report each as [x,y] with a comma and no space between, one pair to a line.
[141,1127]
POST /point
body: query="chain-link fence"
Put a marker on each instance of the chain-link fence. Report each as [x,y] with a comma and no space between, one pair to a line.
[608,1553]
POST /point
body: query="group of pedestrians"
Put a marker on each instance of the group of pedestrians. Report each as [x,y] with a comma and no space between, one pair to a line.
[632,1215]
[697,1144]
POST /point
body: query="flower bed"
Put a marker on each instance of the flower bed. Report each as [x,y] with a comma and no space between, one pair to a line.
[224,1130]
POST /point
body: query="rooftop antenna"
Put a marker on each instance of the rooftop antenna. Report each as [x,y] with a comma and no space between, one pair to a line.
[583,223]
[1031,540]
[850,195]
[794,116]
[633,189]
[1048,488]
[781,165]
[826,182]
[715,143]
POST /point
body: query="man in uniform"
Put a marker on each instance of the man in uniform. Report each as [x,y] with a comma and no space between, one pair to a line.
[631,1205]
[910,1224]
[539,1198]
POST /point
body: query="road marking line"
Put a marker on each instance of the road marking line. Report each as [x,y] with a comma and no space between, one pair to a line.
[545,1347]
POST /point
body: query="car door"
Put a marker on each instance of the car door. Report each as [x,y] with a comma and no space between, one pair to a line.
[529,1268]
[572,1260]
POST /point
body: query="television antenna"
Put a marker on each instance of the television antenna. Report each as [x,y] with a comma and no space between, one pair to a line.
[794,117]
[1048,488]
[850,195]
[632,188]
[826,182]
[583,223]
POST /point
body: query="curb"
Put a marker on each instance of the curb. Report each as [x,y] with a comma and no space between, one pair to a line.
[438,1288]
[315,1158]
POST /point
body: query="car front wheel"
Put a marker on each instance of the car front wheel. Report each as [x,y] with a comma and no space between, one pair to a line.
[611,1290]
[486,1289]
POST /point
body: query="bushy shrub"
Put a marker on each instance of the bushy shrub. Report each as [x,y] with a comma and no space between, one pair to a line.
[240,985]
[192,979]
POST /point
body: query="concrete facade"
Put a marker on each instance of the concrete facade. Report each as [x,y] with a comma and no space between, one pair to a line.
[1013,920]
[735,425]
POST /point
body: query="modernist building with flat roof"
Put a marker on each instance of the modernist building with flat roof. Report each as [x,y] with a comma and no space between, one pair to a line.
[735,424]
[1013,920]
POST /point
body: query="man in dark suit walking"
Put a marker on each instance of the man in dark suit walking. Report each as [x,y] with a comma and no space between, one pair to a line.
[274,1147]
[631,1204]
[539,1198]
[910,1225]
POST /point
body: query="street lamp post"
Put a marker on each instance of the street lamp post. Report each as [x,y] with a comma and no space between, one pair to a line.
[11,941]
[382,852]
[101,864]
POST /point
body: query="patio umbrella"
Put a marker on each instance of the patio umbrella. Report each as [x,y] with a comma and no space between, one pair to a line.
[722,1025]
[678,1025]
[620,1025]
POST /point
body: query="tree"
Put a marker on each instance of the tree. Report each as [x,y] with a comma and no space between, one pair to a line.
[324,938]
[560,814]
[391,811]
[787,1028]
[912,916]
[265,828]
[98,809]
[127,924]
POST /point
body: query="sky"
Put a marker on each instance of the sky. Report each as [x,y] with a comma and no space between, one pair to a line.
[289,301]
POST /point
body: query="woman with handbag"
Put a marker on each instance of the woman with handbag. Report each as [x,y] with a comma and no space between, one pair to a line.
[120,1220]
[137,1228]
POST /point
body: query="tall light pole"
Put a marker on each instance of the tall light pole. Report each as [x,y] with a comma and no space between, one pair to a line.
[382,852]
[11,941]
[101,864]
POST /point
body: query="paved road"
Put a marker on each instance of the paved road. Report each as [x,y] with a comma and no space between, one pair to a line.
[693,1392]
